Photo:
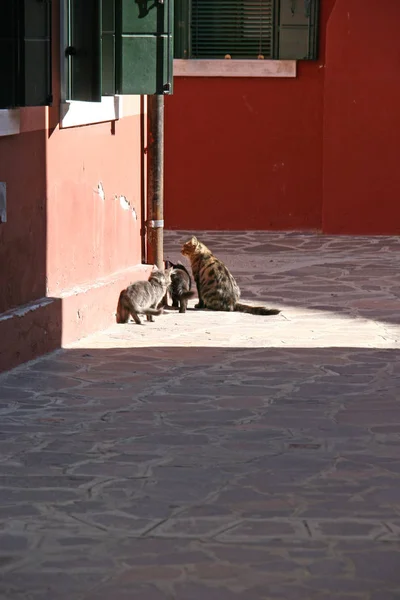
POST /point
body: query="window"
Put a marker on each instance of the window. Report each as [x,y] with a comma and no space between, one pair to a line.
[246,29]
[108,47]
[117,47]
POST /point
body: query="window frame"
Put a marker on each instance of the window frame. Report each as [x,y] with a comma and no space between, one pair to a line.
[186,66]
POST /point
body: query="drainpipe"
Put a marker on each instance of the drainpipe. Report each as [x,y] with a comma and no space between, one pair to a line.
[155,180]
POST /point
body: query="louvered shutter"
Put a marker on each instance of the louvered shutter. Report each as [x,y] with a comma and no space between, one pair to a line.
[108,48]
[25,50]
[84,50]
[235,28]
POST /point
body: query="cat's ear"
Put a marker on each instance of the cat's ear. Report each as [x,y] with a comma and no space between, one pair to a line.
[168,264]
[194,240]
[154,269]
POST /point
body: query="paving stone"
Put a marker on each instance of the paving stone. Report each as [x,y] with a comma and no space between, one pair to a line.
[11,496]
[18,510]
[126,523]
[257,528]
[193,527]
[224,456]
[378,565]
[385,595]
[13,543]
[47,585]
[199,591]
[127,591]
[329,568]
[346,528]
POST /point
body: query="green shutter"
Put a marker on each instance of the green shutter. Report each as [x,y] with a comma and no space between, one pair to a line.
[297,23]
[144,46]
[36,53]
[9,54]
[182,20]
[25,50]
[108,47]
[234,28]
[84,50]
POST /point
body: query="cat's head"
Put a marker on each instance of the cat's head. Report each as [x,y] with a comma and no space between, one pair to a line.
[169,264]
[178,265]
[190,247]
[161,276]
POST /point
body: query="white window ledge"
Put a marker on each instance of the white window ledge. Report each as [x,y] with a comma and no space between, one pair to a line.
[234,68]
[111,108]
[9,121]
[74,114]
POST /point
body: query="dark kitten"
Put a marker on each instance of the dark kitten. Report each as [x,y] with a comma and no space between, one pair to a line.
[216,286]
[180,287]
[143,297]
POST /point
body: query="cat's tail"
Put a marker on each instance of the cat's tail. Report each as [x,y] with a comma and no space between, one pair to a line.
[187,295]
[256,310]
[152,311]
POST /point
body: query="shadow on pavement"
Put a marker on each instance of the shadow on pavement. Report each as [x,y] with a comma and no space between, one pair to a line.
[194,473]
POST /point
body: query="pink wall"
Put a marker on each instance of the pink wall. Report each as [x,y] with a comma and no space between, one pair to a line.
[60,233]
[91,238]
[88,237]
[65,250]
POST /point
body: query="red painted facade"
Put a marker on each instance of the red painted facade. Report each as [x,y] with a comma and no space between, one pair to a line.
[315,152]
[64,248]
[361,175]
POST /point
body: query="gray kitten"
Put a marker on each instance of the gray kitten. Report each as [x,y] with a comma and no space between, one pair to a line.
[143,297]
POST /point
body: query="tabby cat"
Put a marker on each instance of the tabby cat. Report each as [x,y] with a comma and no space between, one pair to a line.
[181,284]
[143,297]
[216,287]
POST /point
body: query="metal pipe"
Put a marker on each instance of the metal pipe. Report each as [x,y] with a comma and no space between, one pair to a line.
[155,180]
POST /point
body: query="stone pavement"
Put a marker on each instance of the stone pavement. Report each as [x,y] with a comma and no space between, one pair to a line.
[212,456]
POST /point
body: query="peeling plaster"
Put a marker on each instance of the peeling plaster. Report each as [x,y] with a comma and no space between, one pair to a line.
[100,191]
[126,205]
[123,200]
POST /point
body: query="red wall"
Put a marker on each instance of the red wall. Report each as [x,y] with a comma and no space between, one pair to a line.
[361,181]
[59,233]
[318,151]
[23,236]
[246,153]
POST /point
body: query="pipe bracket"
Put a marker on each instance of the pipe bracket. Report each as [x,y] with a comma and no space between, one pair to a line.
[155,224]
